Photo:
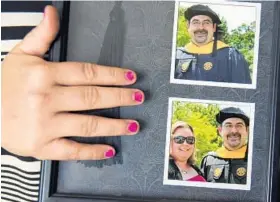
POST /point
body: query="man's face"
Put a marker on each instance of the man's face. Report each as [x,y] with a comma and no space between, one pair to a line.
[201,29]
[181,151]
[234,133]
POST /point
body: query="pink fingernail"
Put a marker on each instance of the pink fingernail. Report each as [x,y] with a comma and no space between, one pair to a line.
[110,153]
[138,96]
[129,75]
[133,127]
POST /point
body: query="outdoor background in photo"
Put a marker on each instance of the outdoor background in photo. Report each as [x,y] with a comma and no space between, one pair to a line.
[202,117]
[237,29]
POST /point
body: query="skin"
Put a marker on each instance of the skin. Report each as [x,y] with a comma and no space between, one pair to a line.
[234,137]
[37,95]
[181,152]
[201,34]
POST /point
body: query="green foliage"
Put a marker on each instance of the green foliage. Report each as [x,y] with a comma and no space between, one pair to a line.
[183,36]
[241,38]
[202,118]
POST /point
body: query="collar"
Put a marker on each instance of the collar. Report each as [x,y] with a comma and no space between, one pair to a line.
[235,154]
[205,49]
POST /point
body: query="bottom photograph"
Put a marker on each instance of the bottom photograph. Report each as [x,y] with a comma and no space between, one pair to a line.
[209,143]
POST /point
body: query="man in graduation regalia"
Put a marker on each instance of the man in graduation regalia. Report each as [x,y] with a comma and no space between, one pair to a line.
[206,58]
[228,164]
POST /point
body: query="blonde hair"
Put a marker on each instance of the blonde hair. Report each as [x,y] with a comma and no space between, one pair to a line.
[182,124]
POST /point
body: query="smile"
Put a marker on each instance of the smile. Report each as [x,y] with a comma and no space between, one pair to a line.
[184,149]
[201,33]
[234,137]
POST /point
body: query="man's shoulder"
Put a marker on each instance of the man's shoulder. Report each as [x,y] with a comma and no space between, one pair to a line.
[180,50]
[210,155]
[227,48]
[229,51]
[181,53]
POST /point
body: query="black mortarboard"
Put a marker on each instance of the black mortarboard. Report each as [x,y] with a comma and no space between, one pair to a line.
[232,112]
[202,10]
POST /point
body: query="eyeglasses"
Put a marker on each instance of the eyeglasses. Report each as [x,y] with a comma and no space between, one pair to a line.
[204,23]
[182,139]
[231,126]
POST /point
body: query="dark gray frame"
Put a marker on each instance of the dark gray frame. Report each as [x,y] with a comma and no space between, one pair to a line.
[48,188]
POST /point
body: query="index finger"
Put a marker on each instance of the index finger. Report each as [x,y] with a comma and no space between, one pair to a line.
[78,73]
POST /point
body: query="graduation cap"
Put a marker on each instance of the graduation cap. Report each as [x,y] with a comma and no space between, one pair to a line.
[232,112]
[201,10]
[205,10]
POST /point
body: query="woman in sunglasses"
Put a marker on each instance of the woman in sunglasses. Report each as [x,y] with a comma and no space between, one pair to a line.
[181,159]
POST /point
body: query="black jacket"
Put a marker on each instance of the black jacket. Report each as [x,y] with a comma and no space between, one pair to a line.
[174,172]
[217,169]
[228,65]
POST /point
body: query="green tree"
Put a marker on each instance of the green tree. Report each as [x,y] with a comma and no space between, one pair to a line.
[183,36]
[243,38]
[202,118]
[223,31]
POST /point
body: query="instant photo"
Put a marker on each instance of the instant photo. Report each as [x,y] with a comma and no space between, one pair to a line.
[212,45]
[209,144]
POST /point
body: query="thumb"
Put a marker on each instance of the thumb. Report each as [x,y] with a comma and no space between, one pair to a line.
[38,41]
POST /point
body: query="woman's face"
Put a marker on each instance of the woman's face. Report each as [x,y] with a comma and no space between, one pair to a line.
[181,152]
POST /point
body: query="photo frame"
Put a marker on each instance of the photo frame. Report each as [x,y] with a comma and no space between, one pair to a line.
[53,176]
[220,72]
[200,118]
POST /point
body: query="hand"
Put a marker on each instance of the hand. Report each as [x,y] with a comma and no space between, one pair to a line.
[37,96]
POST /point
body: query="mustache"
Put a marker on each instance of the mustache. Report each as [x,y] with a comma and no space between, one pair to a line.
[234,135]
[203,31]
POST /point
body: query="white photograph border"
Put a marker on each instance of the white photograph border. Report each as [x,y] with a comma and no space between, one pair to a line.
[214,83]
[166,181]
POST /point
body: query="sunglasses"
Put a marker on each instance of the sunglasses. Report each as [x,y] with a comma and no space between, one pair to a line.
[182,139]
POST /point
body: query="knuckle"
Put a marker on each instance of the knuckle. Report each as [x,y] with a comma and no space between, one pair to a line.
[90,127]
[89,71]
[113,74]
[113,131]
[94,155]
[76,153]
[90,96]
[80,152]
[40,71]
[38,77]
[121,95]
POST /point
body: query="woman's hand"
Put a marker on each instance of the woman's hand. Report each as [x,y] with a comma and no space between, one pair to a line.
[36,96]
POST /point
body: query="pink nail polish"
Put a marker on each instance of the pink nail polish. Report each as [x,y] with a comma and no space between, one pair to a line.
[138,96]
[133,127]
[110,153]
[129,75]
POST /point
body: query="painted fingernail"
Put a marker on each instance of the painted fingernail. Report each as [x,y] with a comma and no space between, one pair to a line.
[133,127]
[110,153]
[138,96]
[129,75]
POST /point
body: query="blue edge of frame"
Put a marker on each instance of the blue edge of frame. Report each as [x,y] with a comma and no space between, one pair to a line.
[50,168]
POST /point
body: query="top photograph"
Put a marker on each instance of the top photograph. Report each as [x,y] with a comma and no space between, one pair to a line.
[215,44]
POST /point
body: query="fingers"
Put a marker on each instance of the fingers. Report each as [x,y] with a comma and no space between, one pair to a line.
[66,149]
[92,97]
[91,126]
[76,73]
[38,41]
